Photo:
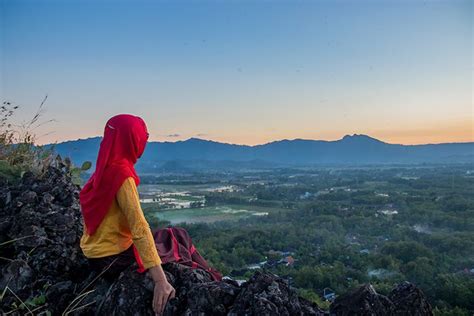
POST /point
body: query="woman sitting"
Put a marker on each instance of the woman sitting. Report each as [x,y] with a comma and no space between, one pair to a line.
[116,232]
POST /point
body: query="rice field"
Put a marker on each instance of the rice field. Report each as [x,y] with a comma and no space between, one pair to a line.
[210,214]
[174,204]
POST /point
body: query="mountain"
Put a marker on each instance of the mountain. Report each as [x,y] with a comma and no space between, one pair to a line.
[356,149]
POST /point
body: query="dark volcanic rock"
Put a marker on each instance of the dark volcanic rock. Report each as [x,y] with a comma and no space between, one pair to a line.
[197,294]
[363,301]
[40,231]
[405,299]
[41,237]
[267,294]
[17,275]
[131,294]
[211,298]
[410,300]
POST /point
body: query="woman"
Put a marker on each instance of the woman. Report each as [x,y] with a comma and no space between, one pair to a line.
[115,230]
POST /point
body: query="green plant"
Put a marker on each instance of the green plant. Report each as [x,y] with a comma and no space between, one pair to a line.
[18,152]
[315,298]
[76,172]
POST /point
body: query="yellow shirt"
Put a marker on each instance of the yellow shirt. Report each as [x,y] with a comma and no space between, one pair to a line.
[123,226]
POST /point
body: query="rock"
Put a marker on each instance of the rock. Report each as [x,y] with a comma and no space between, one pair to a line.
[28,178]
[405,299]
[410,300]
[131,294]
[363,301]
[61,293]
[16,275]
[197,294]
[5,198]
[47,198]
[213,298]
[183,276]
[267,294]
[28,197]
[41,235]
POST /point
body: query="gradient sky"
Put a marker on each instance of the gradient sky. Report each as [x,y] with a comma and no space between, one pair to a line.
[243,72]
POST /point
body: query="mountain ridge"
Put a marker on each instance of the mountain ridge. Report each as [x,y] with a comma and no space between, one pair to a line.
[356,149]
[347,136]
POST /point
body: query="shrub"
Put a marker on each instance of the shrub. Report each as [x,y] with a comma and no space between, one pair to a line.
[18,151]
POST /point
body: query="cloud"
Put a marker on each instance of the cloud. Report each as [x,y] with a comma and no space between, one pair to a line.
[201,134]
[173,135]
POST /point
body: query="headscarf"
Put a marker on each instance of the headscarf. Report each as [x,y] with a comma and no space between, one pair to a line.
[124,141]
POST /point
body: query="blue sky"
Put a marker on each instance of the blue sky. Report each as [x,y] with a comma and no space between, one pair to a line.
[244,72]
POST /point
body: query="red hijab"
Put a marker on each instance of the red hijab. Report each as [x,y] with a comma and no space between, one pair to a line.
[124,141]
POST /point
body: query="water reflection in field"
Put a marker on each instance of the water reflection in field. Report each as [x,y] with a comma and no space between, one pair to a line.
[186,204]
[210,214]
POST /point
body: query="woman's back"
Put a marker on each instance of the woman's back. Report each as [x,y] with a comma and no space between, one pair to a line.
[123,225]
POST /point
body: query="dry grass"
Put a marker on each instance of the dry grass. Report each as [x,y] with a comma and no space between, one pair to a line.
[73,306]
[18,152]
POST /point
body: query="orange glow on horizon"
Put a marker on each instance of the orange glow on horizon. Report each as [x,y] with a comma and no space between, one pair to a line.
[452,132]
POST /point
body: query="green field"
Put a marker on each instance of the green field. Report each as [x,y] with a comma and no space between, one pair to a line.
[212,213]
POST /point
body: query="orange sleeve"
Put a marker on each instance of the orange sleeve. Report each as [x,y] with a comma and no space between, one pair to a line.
[129,202]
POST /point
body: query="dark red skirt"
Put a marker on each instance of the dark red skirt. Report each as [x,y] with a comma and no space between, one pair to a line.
[173,244]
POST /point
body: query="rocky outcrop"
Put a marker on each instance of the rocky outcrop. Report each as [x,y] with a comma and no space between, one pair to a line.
[40,227]
[44,271]
[409,300]
[363,301]
[405,299]
[197,294]
[265,294]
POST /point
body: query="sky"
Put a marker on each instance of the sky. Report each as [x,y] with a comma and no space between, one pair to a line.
[242,72]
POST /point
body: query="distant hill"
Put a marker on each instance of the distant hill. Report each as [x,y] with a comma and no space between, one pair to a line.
[195,153]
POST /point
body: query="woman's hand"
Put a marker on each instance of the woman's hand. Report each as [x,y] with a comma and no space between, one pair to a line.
[162,293]
[163,290]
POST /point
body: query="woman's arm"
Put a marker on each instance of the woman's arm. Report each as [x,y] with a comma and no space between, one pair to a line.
[129,202]
[163,290]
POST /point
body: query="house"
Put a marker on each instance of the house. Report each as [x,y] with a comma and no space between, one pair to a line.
[329,295]
[287,261]
[253,267]
[387,212]
[256,266]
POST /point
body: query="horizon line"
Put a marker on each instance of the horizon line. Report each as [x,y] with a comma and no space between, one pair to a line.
[269,142]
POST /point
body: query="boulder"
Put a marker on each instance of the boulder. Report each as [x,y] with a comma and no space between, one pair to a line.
[405,299]
[410,300]
[362,301]
[267,294]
